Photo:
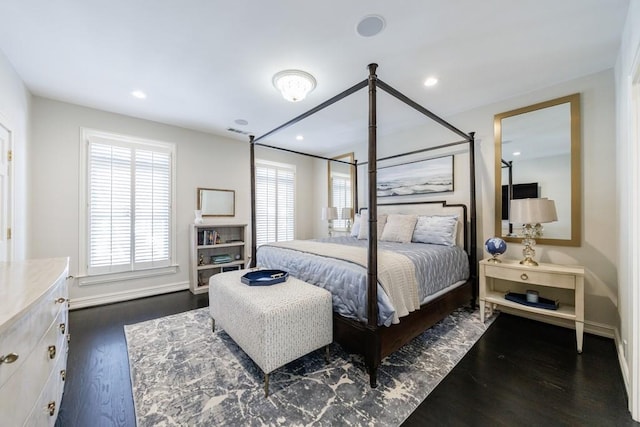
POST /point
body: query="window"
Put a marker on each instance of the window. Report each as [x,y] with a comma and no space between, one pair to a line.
[128,219]
[275,202]
[341,195]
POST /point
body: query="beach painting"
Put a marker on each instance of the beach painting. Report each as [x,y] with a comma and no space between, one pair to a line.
[419,177]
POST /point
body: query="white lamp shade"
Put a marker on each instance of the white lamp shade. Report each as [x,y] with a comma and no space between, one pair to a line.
[346,213]
[533,211]
[329,213]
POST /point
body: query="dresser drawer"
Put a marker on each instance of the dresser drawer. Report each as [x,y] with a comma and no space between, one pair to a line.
[25,384]
[22,335]
[530,275]
[45,411]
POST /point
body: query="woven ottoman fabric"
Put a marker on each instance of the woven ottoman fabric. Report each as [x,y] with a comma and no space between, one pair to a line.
[273,324]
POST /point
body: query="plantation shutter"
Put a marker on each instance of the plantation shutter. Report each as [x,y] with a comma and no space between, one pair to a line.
[275,202]
[129,206]
[341,197]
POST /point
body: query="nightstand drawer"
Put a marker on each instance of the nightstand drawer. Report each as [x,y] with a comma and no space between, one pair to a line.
[522,275]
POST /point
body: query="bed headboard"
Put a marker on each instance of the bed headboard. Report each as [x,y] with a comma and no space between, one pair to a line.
[438,207]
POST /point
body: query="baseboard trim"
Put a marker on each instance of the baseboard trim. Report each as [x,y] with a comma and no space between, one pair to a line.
[594,328]
[77,303]
[622,360]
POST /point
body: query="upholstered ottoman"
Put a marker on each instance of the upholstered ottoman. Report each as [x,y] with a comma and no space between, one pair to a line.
[273,324]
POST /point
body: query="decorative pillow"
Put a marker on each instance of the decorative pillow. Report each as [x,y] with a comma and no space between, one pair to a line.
[364,226]
[437,230]
[399,228]
[355,228]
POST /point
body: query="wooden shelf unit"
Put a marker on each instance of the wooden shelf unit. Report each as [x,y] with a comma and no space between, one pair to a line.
[209,240]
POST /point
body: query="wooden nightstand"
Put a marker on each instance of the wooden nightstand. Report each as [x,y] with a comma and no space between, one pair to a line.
[536,278]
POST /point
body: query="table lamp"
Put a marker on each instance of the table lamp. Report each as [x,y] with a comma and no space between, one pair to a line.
[347,213]
[532,213]
[329,214]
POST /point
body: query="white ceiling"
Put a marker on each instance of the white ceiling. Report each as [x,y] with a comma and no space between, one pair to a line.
[206,63]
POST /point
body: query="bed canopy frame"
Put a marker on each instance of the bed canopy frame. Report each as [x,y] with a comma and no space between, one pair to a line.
[372,341]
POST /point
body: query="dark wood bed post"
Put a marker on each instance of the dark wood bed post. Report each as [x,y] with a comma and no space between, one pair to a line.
[473,252]
[355,186]
[252,160]
[373,359]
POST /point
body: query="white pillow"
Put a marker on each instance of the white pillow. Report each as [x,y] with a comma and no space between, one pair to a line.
[399,228]
[437,230]
[355,228]
[364,225]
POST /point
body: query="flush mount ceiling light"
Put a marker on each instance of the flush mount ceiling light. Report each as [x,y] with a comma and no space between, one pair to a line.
[294,84]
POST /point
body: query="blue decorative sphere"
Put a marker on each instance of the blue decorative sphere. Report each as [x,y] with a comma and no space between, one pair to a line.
[495,246]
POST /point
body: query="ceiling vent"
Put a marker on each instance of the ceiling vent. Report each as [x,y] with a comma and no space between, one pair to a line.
[241,132]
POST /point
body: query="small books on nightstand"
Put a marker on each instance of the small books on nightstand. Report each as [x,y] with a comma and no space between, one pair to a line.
[522,299]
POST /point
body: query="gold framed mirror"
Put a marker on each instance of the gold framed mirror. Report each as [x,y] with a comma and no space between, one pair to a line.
[341,191]
[537,155]
[216,202]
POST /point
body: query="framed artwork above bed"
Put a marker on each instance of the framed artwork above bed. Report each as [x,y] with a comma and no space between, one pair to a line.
[417,177]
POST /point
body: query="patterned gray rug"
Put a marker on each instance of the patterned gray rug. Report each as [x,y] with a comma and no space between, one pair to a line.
[182,374]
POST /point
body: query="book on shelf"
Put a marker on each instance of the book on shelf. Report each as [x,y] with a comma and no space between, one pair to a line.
[208,237]
[221,259]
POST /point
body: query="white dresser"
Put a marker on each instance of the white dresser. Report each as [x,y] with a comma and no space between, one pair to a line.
[33,340]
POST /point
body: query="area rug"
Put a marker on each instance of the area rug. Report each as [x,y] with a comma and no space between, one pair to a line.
[182,374]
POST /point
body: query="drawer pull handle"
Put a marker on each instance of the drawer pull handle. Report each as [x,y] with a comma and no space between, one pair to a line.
[9,358]
[61,300]
[51,407]
[523,276]
[52,351]
[62,327]
[63,374]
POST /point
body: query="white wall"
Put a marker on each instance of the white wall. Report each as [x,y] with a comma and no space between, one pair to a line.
[203,160]
[598,251]
[628,163]
[15,102]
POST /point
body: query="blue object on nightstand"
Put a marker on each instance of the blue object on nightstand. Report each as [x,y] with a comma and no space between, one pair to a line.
[495,246]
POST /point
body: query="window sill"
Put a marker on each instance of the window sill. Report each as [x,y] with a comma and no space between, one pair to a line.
[127,275]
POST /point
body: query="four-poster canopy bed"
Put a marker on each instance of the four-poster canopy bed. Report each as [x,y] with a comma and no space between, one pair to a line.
[369,338]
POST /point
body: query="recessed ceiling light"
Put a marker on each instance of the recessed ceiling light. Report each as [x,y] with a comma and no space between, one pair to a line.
[299,137]
[138,94]
[516,153]
[431,81]
[241,122]
[370,25]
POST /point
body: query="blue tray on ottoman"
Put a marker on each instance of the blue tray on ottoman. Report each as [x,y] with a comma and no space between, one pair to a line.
[264,277]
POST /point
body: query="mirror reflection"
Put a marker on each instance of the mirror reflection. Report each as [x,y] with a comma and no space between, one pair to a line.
[538,156]
[215,202]
[342,191]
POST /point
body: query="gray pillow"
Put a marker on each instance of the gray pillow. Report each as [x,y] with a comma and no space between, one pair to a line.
[437,230]
[355,228]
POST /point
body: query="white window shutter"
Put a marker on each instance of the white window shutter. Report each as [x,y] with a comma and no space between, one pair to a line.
[129,215]
[275,202]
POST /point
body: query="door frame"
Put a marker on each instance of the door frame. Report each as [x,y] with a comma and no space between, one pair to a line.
[10,193]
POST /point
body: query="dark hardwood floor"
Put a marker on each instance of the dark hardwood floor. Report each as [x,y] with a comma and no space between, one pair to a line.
[98,388]
[521,372]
